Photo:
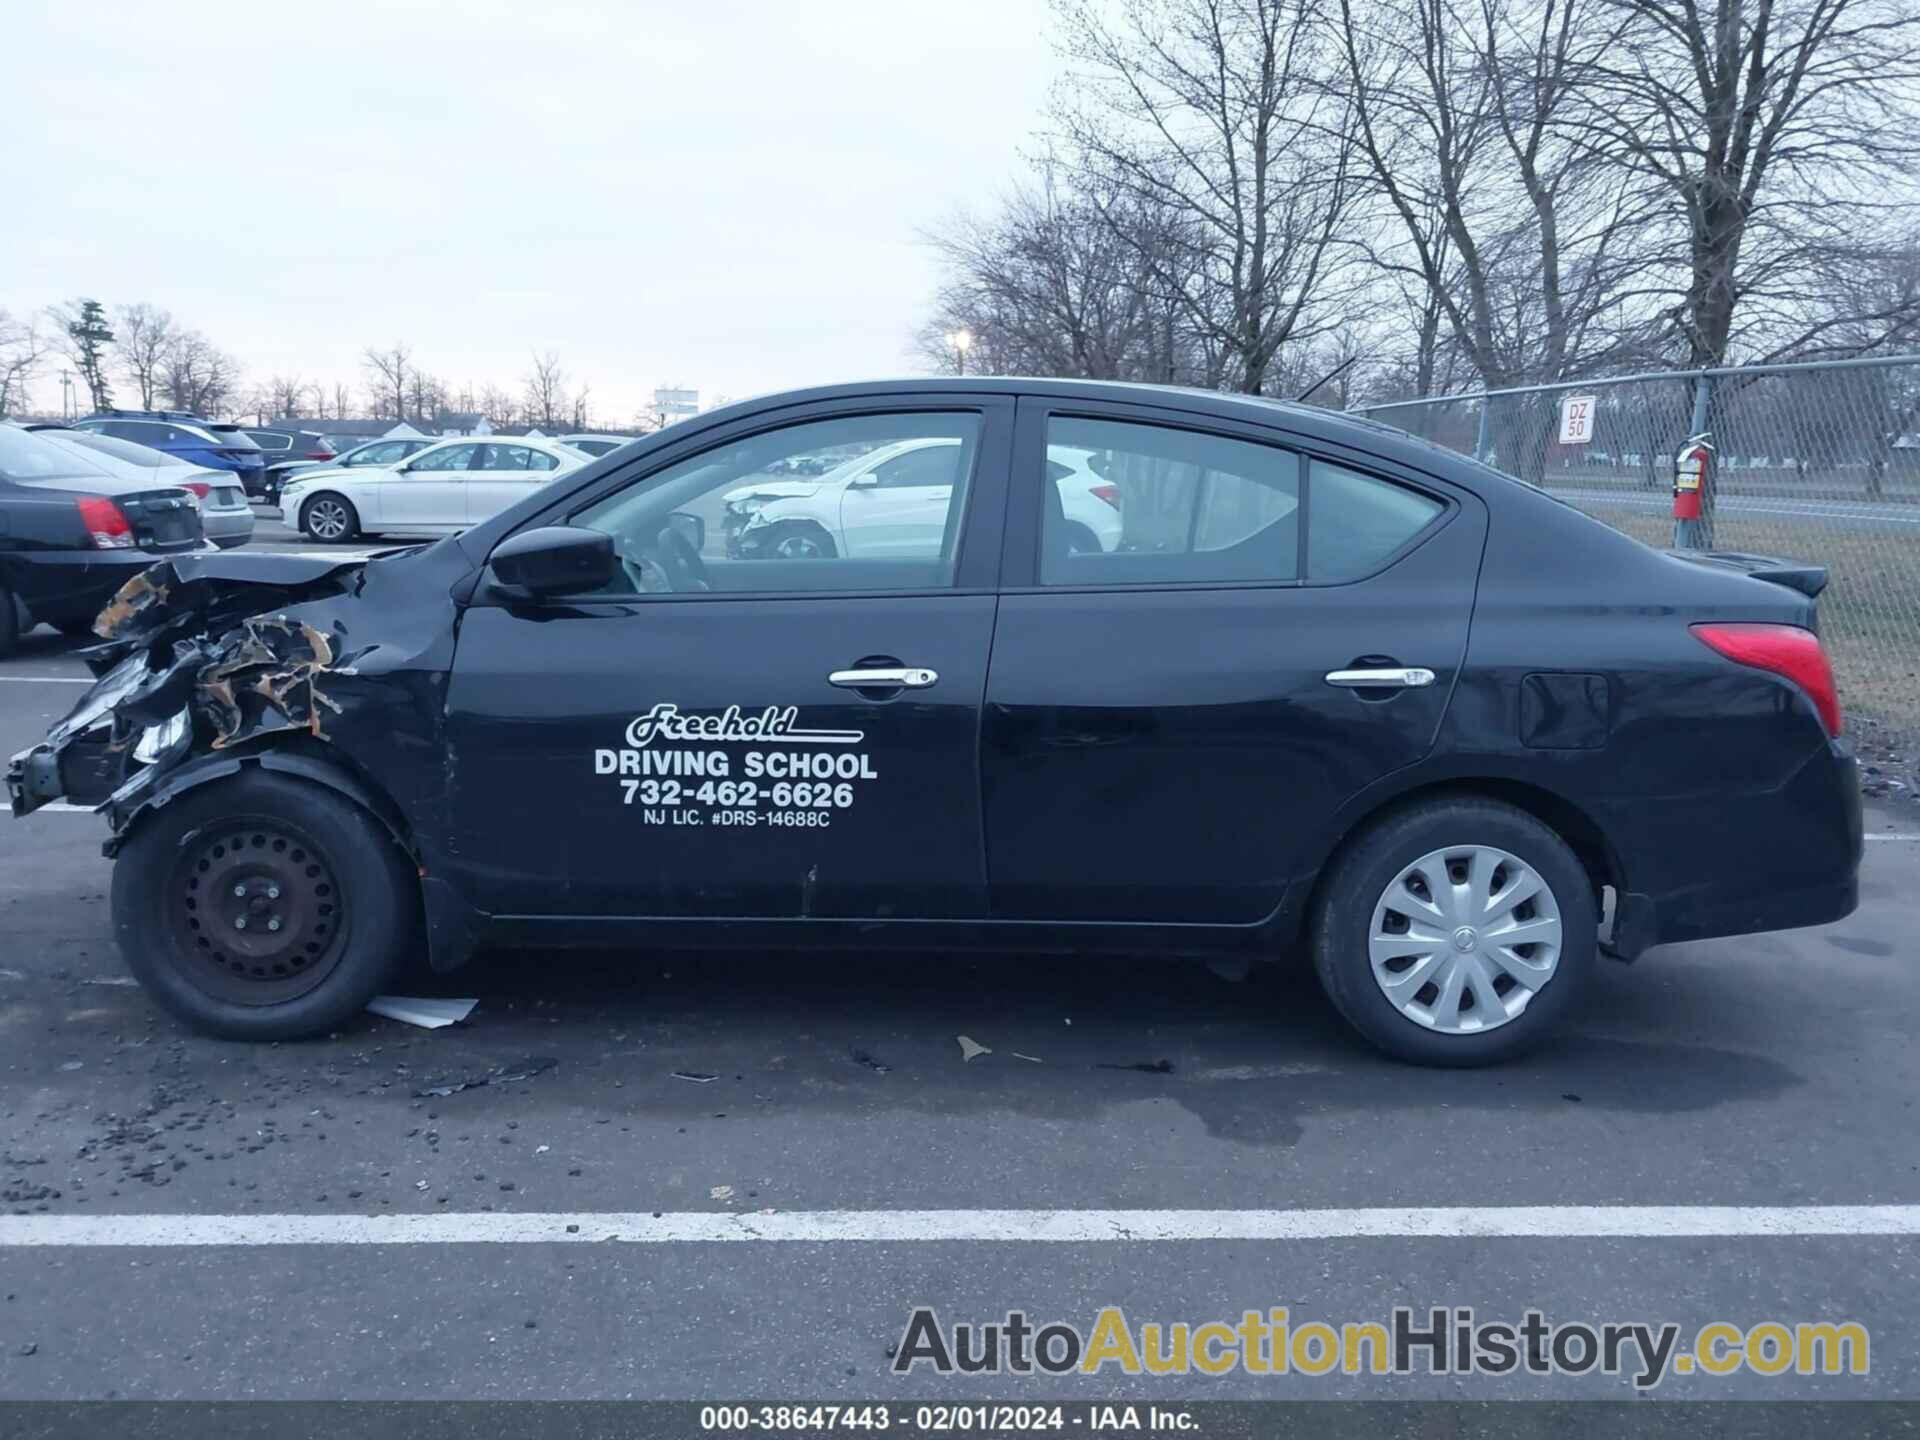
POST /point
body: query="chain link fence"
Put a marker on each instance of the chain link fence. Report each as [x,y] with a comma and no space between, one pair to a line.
[1817,462]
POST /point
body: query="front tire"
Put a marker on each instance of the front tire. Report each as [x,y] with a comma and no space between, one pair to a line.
[1457,932]
[263,907]
[329,518]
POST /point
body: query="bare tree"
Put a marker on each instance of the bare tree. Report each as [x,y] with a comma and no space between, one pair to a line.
[1212,111]
[387,375]
[426,397]
[497,405]
[582,409]
[21,351]
[200,377]
[286,395]
[146,333]
[342,402]
[545,387]
[1780,135]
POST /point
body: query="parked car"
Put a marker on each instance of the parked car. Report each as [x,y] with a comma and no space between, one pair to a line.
[442,488]
[225,516]
[381,453]
[293,445]
[1347,692]
[597,445]
[209,444]
[73,532]
[894,498]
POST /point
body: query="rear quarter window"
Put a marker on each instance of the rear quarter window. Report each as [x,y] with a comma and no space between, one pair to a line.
[1355,522]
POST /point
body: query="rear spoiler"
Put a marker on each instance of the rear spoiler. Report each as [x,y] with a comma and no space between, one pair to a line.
[1809,580]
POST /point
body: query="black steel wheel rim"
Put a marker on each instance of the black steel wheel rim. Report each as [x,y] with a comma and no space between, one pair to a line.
[256,913]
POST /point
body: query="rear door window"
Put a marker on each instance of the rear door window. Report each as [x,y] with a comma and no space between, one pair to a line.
[1192,507]
[1356,522]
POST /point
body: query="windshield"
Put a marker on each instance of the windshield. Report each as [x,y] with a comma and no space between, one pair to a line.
[122,450]
[25,456]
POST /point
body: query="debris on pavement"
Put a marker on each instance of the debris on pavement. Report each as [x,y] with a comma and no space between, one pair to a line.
[861,1057]
[107,980]
[698,1077]
[1035,1059]
[721,1192]
[498,1075]
[427,1012]
[970,1047]
[1144,1067]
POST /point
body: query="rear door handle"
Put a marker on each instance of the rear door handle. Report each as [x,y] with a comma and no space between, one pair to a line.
[1398,677]
[913,677]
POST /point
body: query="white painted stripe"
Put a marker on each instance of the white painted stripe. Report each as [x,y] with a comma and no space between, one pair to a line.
[1552,1222]
[46,679]
[53,807]
[1893,837]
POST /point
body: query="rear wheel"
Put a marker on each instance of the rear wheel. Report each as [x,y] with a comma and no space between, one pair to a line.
[799,540]
[1457,932]
[263,907]
[329,518]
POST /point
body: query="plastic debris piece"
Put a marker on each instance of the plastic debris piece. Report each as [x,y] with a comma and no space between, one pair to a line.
[969,1047]
[721,1192]
[427,1012]
[698,1077]
[1033,1058]
[498,1075]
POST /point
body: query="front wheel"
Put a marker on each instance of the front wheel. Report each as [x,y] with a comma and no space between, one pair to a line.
[1457,932]
[329,518]
[263,907]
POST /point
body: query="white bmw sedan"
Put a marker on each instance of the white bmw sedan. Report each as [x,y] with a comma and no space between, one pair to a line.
[441,489]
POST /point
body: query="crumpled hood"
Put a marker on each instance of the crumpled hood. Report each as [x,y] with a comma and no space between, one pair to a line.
[774,490]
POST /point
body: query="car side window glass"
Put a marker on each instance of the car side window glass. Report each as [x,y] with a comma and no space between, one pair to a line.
[454,457]
[381,455]
[799,509]
[540,460]
[1134,504]
[1354,522]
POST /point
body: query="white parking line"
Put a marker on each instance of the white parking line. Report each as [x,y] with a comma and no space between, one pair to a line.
[1551,1222]
[1893,837]
[46,679]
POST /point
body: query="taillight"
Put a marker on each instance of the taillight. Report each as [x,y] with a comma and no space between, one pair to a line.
[199,487]
[106,522]
[319,455]
[1786,650]
[1108,493]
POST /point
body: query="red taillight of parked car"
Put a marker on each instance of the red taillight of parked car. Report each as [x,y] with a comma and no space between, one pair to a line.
[106,523]
[199,487]
[319,455]
[1788,651]
[1108,493]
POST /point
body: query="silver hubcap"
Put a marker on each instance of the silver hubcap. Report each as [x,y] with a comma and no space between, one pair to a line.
[327,519]
[1463,938]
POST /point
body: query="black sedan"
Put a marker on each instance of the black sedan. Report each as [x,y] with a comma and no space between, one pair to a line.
[1322,687]
[72,533]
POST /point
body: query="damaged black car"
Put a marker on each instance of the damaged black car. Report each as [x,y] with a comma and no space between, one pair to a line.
[1312,689]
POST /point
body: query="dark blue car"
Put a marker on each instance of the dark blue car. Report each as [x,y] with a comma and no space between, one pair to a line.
[211,444]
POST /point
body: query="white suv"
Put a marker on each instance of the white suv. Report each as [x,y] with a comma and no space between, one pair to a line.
[892,503]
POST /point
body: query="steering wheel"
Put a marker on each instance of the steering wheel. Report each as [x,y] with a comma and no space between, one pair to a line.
[670,565]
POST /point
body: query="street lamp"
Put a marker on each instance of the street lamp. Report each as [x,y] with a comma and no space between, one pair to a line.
[66,395]
[961,341]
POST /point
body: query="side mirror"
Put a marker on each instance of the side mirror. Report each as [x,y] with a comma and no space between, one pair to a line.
[864,482]
[555,560]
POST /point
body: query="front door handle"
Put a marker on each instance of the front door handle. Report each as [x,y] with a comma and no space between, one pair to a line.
[1397,677]
[913,677]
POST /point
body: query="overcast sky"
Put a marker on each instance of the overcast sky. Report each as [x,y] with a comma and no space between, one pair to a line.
[721,193]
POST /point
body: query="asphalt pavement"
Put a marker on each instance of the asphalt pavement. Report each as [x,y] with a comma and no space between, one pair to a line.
[820,1157]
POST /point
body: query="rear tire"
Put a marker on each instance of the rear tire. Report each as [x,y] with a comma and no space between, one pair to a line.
[329,904]
[1375,903]
[329,518]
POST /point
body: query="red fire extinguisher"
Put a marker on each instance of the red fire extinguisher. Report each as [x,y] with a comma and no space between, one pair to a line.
[1690,478]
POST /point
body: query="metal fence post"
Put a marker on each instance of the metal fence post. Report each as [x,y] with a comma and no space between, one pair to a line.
[1698,534]
[1480,436]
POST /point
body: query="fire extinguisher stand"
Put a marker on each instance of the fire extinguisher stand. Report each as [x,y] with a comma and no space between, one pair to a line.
[1693,477]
